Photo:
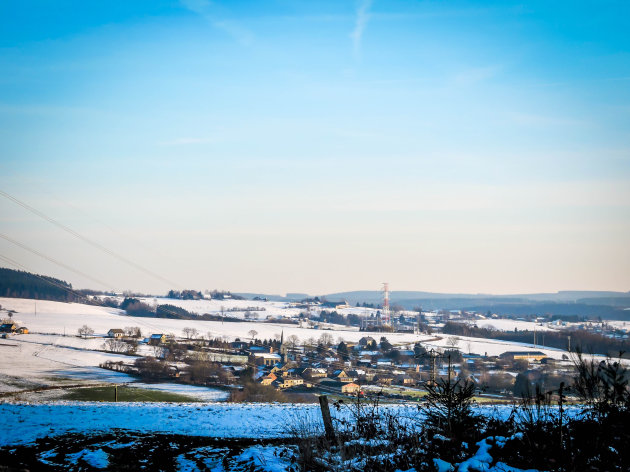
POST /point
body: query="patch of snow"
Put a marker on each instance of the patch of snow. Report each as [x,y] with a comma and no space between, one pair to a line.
[481,460]
[442,466]
[98,458]
[267,458]
[205,394]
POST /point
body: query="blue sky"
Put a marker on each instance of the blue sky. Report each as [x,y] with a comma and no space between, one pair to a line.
[320,146]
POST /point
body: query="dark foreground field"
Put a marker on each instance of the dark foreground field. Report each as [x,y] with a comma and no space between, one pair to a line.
[164,452]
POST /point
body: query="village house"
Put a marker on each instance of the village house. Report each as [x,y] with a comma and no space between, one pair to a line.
[156,339]
[404,379]
[265,358]
[314,373]
[347,388]
[529,356]
[268,379]
[384,379]
[342,376]
[367,341]
[115,333]
[8,328]
[350,388]
[356,373]
[288,382]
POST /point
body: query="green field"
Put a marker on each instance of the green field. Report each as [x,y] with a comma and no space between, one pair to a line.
[125,394]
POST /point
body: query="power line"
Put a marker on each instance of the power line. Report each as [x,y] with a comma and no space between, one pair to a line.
[115,231]
[51,282]
[79,295]
[55,261]
[86,240]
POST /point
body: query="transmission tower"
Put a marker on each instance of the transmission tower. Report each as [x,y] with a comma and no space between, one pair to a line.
[385,317]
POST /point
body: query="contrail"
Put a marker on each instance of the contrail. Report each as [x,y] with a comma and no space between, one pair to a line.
[363,15]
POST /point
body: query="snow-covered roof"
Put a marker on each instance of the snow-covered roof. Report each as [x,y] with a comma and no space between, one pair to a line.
[266,355]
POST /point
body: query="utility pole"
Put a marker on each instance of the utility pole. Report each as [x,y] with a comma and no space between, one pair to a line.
[569,343]
[433,367]
[449,369]
[328,426]
[115,393]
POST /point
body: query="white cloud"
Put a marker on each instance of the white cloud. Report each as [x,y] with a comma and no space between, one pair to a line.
[361,21]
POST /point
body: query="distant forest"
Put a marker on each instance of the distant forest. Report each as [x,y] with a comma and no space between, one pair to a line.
[19,284]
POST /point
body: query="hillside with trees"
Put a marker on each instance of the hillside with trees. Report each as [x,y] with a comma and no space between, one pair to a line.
[20,284]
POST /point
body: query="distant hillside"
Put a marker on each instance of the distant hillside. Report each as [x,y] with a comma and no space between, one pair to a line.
[591,297]
[272,298]
[558,309]
[19,284]
[592,304]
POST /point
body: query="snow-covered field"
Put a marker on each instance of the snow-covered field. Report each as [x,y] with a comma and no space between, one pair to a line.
[271,309]
[60,318]
[491,347]
[511,325]
[203,394]
[24,423]
[107,428]
[46,353]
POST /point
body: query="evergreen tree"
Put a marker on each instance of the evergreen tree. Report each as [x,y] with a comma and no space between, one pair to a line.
[342,350]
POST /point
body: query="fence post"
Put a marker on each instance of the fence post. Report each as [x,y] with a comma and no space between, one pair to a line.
[328,426]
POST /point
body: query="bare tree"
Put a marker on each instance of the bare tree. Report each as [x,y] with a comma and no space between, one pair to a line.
[252,333]
[292,341]
[133,332]
[190,333]
[452,341]
[85,331]
[310,343]
[326,339]
[115,345]
[158,351]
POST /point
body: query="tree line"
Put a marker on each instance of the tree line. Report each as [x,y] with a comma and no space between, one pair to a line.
[20,284]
